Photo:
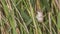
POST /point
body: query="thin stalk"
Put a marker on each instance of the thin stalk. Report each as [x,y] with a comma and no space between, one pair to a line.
[33,18]
[49,16]
[20,17]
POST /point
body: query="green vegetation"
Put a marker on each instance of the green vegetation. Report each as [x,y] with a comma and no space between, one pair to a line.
[20,17]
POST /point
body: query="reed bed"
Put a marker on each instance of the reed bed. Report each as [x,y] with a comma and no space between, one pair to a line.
[29,16]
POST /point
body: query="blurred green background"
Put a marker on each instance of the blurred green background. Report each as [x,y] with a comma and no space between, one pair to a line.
[20,17]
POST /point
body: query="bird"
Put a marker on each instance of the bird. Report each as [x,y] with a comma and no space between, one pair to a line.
[39,12]
[39,16]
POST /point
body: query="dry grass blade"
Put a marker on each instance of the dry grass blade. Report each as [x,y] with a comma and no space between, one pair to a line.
[49,16]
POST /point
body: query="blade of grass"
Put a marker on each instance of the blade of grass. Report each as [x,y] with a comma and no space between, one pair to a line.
[20,17]
[9,16]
